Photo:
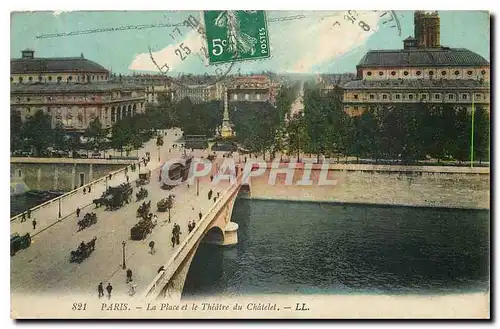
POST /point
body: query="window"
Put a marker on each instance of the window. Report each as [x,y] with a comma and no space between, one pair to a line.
[423,97]
[469,72]
[410,96]
[50,78]
[49,98]
[478,96]
[258,96]
[437,96]
[20,79]
[381,73]
[368,73]
[247,97]
[384,96]
[18,99]
[30,79]
[40,78]
[235,97]
[372,96]
[28,99]
[11,79]
[59,79]
[457,72]
[355,107]
[355,96]
[405,73]
[29,110]
[483,72]
[48,109]
[419,72]
[70,78]
[451,96]
[464,96]
[393,73]
[19,173]
[443,72]
[431,73]
[398,96]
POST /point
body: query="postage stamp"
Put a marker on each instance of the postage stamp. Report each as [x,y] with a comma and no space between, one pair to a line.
[179,168]
[236,35]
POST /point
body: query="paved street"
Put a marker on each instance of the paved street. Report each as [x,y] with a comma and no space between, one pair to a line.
[45,268]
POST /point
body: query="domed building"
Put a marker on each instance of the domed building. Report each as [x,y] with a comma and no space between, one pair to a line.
[73,90]
[422,72]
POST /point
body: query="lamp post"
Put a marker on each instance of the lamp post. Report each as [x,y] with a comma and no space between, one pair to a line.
[59,207]
[169,214]
[158,153]
[123,265]
[197,186]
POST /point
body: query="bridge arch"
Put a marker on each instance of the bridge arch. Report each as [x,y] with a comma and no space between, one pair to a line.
[214,235]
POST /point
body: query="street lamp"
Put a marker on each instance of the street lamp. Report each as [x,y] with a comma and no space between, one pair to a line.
[197,186]
[158,153]
[169,214]
[123,245]
[59,207]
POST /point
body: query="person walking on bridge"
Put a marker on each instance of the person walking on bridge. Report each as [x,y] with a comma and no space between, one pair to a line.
[200,215]
[210,194]
[89,189]
[78,212]
[129,275]
[152,246]
[109,289]
[29,213]
[100,290]
[34,223]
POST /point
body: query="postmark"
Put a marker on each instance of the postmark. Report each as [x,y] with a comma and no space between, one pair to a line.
[235,35]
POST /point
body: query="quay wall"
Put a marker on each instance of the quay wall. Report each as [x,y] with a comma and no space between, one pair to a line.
[452,187]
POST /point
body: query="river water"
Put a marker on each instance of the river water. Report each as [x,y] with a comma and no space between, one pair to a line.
[308,248]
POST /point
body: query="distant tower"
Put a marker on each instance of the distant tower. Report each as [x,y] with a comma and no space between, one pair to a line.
[427,29]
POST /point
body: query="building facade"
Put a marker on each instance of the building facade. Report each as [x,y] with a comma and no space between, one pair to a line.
[423,71]
[73,91]
[255,88]
[156,86]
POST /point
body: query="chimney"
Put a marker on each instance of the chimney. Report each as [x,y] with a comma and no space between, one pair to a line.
[27,54]
[427,29]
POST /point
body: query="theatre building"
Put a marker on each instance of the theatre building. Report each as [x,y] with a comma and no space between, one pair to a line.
[72,90]
[422,72]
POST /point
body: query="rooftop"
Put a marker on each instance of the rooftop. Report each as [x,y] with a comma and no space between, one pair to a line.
[416,84]
[442,56]
[72,87]
[55,65]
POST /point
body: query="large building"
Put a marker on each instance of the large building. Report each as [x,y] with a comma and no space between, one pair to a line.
[155,85]
[73,90]
[423,71]
[254,88]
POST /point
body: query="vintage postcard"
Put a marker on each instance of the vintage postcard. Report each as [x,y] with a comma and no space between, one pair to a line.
[250,164]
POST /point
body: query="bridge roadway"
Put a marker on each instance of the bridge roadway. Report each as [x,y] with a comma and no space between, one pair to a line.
[44,267]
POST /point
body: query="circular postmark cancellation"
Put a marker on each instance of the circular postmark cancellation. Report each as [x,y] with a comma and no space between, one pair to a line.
[220,71]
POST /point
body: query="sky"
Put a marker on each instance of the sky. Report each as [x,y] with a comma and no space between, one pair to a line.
[315,43]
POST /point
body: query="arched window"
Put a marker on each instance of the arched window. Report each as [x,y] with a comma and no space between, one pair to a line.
[431,72]
[393,73]
[20,79]
[30,79]
[405,73]
[443,72]
[368,73]
[59,79]
[469,72]
[247,97]
[50,78]
[483,72]
[457,72]
[70,78]
[381,73]
[40,78]
[419,72]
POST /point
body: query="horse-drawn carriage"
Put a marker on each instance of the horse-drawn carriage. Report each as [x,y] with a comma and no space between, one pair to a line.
[144,209]
[142,194]
[18,242]
[144,177]
[165,203]
[88,220]
[141,230]
[84,250]
[115,197]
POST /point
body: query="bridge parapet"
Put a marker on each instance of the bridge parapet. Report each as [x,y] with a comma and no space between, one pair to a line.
[153,290]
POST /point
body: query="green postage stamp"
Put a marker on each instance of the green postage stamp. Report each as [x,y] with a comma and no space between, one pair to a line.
[235,35]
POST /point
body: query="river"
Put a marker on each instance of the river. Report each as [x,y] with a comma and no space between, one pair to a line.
[308,248]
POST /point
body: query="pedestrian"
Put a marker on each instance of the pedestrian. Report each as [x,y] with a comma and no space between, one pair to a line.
[218,194]
[189,226]
[162,268]
[131,291]
[29,213]
[129,276]
[89,189]
[109,288]
[245,159]
[200,215]
[177,236]
[84,190]
[210,194]
[193,225]
[152,246]
[23,217]
[100,290]
[127,178]
[34,223]
[110,176]
[78,212]
[173,241]
[215,199]
[188,185]
[139,166]
[211,177]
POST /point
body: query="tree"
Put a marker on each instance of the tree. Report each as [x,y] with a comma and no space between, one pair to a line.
[37,132]
[16,130]
[60,140]
[122,133]
[481,134]
[96,135]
